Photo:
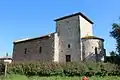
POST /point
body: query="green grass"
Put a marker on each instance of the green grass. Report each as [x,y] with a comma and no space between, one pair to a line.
[22,77]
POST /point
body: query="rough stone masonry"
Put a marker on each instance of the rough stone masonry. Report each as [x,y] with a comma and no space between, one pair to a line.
[73,40]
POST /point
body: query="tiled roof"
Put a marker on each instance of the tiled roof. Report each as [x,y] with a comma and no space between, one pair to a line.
[92,37]
[75,14]
[29,39]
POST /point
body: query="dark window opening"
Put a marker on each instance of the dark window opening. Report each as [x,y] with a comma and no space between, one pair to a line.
[95,50]
[40,50]
[68,45]
[58,31]
[69,28]
[96,53]
[67,21]
[68,58]
[25,51]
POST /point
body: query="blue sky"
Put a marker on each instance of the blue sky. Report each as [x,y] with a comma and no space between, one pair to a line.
[32,18]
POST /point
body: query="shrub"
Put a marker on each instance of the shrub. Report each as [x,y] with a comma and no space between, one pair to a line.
[63,69]
[2,68]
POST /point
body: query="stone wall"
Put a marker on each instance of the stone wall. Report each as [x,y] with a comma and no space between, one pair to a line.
[85,27]
[88,49]
[69,38]
[56,48]
[30,50]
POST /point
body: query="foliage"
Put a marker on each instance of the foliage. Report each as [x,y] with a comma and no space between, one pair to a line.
[63,69]
[112,53]
[113,58]
[115,33]
[2,68]
[23,77]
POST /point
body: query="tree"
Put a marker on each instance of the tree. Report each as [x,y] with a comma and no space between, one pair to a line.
[115,33]
[113,57]
[113,53]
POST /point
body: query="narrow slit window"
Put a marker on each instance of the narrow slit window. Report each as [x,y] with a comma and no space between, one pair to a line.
[25,51]
[68,45]
[40,49]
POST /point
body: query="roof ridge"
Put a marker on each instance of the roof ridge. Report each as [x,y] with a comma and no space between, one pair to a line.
[74,14]
[26,39]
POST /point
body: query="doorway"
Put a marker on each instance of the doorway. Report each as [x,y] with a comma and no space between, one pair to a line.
[68,58]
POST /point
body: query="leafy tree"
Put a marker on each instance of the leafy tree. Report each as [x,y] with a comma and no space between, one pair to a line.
[115,33]
[113,58]
[113,53]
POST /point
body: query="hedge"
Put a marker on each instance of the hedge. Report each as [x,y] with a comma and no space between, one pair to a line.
[2,68]
[63,69]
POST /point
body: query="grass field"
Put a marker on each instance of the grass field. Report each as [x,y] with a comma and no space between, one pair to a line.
[21,77]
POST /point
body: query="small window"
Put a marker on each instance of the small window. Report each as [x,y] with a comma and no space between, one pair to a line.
[25,51]
[69,28]
[68,45]
[40,50]
[68,58]
[95,50]
[67,21]
[58,31]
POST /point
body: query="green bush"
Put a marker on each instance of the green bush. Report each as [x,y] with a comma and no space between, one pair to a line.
[2,68]
[63,69]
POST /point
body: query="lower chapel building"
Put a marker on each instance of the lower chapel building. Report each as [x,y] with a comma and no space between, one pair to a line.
[73,40]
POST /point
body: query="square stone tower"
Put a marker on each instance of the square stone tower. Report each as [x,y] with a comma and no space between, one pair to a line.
[70,29]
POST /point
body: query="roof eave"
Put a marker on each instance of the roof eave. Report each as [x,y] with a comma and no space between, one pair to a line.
[48,35]
[79,13]
[94,38]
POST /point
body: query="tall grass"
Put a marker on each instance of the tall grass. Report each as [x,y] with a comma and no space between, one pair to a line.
[22,77]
